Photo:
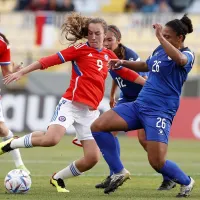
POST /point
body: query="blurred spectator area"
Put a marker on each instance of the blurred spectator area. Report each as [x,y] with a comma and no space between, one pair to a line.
[106,6]
[136,28]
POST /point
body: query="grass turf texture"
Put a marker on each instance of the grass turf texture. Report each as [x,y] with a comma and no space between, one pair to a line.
[43,162]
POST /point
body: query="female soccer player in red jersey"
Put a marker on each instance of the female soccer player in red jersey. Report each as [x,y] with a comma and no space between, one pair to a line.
[6,69]
[78,105]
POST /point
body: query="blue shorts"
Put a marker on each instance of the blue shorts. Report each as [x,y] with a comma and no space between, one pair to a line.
[156,124]
[124,100]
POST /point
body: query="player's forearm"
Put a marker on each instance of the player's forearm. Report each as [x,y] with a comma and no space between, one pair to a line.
[32,67]
[113,89]
[6,70]
[140,80]
[173,52]
[127,74]
[138,66]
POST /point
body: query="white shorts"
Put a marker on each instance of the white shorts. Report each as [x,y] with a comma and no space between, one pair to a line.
[69,113]
[1,112]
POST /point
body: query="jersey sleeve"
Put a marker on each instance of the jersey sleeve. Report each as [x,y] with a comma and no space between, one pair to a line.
[69,54]
[4,54]
[127,74]
[63,56]
[133,56]
[190,62]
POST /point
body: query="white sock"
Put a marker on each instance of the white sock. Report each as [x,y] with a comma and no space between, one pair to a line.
[16,156]
[22,142]
[68,172]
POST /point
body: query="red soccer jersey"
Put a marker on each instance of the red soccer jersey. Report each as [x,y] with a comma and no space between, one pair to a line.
[4,52]
[88,73]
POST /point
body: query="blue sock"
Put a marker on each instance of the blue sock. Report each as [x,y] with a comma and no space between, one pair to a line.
[166,178]
[118,150]
[172,170]
[107,145]
[118,145]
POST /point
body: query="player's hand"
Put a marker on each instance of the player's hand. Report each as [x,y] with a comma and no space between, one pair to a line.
[12,77]
[158,30]
[112,102]
[114,63]
[16,68]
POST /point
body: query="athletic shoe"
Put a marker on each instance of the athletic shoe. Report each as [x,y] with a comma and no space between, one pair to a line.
[59,184]
[116,181]
[186,190]
[167,185]
[5,146]
[104,184]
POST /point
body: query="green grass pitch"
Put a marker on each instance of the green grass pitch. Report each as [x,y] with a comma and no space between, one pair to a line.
[43,162]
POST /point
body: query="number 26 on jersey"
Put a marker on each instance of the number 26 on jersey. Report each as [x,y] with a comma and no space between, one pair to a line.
[156,66]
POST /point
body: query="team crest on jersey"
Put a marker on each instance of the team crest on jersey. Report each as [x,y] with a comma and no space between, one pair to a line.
[106,57]
[62,118]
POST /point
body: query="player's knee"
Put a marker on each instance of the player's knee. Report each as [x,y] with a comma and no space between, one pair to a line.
[156,163]
[97,126]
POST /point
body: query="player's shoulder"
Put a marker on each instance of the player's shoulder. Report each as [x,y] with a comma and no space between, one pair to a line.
[2,42]
[3,45]
[159,48]
[187,50]
[130,54]
[110,53]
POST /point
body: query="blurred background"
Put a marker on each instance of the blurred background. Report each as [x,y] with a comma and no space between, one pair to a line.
[33,29]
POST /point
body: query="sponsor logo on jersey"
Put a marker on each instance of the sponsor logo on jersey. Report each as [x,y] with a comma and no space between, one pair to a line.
[169,58]
[131,59]
[62,118]
[106,57]
[160,132]
[90,54]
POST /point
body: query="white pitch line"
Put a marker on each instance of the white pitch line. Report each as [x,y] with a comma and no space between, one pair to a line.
[100,163]
[100,174]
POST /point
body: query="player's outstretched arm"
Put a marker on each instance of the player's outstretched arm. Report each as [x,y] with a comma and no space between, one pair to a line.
[140,80]
[180,58]
[138,66]
[130,75]
[17,75]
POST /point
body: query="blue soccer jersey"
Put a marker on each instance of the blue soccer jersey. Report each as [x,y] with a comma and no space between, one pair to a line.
[129,90]
[158,101]
[165,81]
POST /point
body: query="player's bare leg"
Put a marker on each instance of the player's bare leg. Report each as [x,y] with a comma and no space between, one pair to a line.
[38,138]
[91,155]
[6,134]
[157,152]
[142,138]
[78,167]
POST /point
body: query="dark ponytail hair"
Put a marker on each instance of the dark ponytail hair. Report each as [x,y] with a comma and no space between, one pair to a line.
[4,38]
[181,26]
[120,50]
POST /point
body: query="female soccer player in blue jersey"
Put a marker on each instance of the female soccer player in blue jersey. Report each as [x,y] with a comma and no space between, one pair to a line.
[154,108]
[129,90]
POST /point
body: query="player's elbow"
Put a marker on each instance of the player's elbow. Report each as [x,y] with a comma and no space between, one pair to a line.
[181,60]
